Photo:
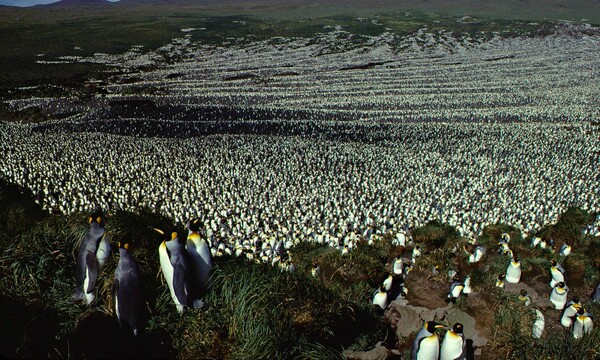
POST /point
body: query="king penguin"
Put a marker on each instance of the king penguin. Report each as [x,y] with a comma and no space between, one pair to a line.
[174,263]
[128,292]
[538,324]
[558,296]
[582,324]
[398,266]
[570,311]
[596,294]
[380,298]
[565,249]
[456,289]
[454,346]
[557,272]
[426,345]
[91,255]
[201,261]
[513,271]
[500,281]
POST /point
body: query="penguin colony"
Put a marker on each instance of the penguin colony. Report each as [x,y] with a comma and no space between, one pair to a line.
[260,186]
[328,155]
[392,152]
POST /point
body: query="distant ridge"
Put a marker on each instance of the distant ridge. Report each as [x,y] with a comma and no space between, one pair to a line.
[80,3]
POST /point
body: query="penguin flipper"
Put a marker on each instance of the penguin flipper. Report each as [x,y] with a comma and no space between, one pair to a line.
[92,271]
[179,285]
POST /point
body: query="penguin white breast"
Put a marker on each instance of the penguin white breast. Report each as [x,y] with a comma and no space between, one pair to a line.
[538,324]
[429,348]
[452,346]
[380,299]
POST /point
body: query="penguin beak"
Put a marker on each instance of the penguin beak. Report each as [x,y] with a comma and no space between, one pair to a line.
[440,326]
[158,230]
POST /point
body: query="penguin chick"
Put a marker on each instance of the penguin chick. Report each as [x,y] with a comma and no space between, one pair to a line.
[582,324]
[454,345]
[426,345]
[128,292]
[91,255]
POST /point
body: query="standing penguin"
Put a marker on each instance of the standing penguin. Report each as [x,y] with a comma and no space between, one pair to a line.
[467,285]
[596,294]
[128,292]
[513,271]
[387,283]
[558,297]
[565,249]
[426,345]
[524,297]
[570,311]
[582,324]
[201,261]
[456,289]
[91,255]
[398,266]
[454,346]
[557,272]
[175,266]
[538,324]
[500,281]
[380,298]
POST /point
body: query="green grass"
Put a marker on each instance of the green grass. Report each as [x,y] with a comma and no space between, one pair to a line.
[254,310]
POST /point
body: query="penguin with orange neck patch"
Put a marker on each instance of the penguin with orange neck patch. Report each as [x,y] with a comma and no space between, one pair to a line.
[175,266]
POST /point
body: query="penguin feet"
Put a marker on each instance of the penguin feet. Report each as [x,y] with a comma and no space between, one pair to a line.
[198,304]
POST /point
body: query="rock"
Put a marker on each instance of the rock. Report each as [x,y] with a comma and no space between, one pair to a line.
[379,352]
[404,319]
[536,299]
[455,315]
[407,319]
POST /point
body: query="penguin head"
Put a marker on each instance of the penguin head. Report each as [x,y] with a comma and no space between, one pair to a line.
[560,285]
[457,328]
[523,292]
[194,225]
[516,259]
[580,311]
[501,277]
[576,299]
[432,326]
[553,263]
